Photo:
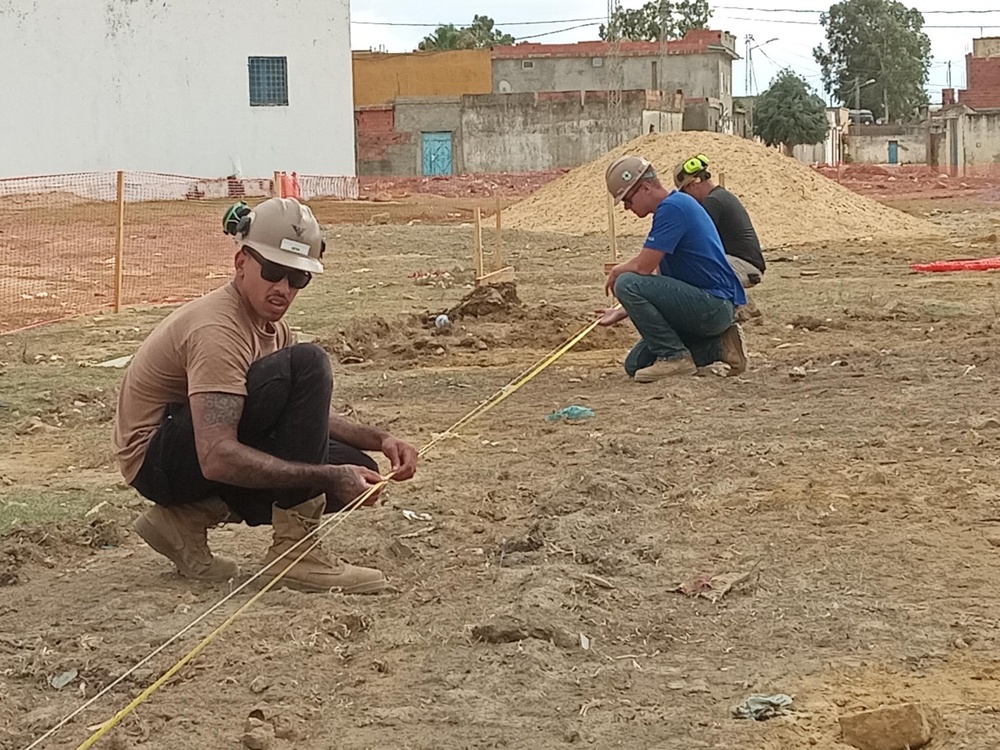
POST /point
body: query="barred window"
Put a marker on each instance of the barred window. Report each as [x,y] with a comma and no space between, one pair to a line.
[268,81]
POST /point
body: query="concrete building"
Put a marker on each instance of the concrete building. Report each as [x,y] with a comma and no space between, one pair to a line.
[700,64]
[381,78]
[180,86]
[888,144]
[963,139]
[504,133]
[982,68]
[831,149]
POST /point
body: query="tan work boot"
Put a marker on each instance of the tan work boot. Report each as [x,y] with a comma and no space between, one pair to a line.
[318,570]
[734,351]
[180,533]
[666,368]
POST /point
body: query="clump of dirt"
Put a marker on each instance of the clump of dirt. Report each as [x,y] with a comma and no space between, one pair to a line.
[358,340]
[505,629]
[488,318]
[489,300]
[772,186]
[37,544]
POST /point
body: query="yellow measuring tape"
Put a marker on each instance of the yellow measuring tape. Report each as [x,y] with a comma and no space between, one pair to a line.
[507,391]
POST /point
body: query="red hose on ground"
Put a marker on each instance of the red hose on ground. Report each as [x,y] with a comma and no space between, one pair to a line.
[942,266]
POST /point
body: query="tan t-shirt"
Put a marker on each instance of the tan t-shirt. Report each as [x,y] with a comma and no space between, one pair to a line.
[206,346]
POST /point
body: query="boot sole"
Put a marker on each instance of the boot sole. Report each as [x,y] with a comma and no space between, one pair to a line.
[151,536]
[374,587]
[735,352]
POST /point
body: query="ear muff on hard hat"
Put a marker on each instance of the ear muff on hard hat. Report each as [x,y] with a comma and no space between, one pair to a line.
[695,164]
[237,219]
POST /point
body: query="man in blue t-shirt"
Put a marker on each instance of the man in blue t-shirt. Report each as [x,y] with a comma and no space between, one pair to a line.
[679,291]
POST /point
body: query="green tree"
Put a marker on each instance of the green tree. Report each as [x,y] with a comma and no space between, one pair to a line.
[789,113]
[657,20]
[881,40]
[481,33]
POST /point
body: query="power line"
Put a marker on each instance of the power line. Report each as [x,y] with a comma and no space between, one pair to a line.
[557,31]
[802,10]
[495,25]
[812,23]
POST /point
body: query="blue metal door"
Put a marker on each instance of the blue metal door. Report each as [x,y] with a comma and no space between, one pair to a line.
[437,153]
[893,152]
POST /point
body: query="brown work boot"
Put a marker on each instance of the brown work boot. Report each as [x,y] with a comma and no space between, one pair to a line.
[318,570]
[734,350]
[666,368]
[180,533]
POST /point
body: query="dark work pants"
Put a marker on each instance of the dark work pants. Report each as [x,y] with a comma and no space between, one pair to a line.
[286,414]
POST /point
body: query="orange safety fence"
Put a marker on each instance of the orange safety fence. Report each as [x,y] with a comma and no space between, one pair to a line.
[74,244]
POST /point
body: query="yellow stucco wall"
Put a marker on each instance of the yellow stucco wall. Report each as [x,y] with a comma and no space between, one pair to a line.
[380,77]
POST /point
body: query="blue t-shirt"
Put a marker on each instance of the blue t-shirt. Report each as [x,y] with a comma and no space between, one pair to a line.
[692,249]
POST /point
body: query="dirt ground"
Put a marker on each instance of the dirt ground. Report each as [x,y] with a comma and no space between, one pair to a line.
[849,477]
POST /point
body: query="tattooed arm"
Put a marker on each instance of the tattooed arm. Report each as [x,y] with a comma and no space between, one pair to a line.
[402,456]
[223,458]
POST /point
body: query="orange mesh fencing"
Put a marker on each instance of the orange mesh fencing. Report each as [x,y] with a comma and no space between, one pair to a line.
[61,255]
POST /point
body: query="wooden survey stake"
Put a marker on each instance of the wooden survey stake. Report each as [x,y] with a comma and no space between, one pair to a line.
[500,273]
[612,236]
[119,239]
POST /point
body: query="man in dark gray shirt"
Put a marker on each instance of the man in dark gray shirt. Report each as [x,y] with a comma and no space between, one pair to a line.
[729,216]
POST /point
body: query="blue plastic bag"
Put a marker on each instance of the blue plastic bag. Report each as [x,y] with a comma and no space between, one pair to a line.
[571,413]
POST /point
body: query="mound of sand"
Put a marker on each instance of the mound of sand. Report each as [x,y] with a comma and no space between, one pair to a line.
[788,201]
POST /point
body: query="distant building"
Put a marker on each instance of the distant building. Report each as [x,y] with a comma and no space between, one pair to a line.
[535,106]
[382,77]
[184,86]
[982,67]
[700,65]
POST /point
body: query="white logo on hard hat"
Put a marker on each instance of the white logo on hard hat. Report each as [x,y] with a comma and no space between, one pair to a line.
[626,175]
[299,248]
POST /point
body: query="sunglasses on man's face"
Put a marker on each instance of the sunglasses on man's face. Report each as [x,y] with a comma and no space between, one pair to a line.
[630,196]
[273,272]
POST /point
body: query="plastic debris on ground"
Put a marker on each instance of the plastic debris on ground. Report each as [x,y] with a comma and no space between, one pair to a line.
[763,707]
[571,413]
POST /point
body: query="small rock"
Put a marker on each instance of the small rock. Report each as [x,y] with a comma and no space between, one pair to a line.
[797,373]
[960,644]
[285,728]
[258,734]
[901,727]
[259,685]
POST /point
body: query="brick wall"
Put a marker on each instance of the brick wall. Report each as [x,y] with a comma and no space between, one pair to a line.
[983,82]
[376,132]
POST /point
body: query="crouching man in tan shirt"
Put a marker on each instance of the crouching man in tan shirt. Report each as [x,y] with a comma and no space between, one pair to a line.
[223,417]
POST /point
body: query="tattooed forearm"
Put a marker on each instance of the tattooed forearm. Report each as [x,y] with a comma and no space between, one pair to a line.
[216,418]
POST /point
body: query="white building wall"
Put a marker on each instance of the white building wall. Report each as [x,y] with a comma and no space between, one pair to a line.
[162,85]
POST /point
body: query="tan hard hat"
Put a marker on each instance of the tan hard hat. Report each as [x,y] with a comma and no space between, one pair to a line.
[285,232]
[690,171]
[623,174]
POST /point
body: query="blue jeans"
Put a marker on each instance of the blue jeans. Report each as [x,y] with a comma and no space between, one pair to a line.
[673,318]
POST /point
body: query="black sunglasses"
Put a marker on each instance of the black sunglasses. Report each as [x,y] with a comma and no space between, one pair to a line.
[273,272]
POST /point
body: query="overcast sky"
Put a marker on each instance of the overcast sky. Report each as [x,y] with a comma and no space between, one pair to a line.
[375,25]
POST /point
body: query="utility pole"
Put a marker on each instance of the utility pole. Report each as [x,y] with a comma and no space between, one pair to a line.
[857,94]
[949,74]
